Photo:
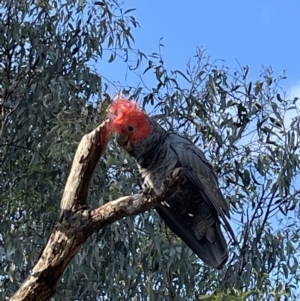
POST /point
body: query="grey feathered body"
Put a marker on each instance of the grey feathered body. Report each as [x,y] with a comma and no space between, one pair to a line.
[193,212]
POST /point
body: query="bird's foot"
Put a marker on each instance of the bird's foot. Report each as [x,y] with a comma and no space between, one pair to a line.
[177,177]
[148,191]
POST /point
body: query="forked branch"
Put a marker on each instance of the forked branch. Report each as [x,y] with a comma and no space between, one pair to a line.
[77,222]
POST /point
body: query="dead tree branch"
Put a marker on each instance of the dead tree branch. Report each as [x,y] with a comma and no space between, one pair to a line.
[77,222]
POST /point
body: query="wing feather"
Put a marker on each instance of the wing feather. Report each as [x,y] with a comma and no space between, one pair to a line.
[200,172]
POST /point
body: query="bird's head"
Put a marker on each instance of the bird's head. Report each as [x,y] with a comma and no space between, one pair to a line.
[129,123]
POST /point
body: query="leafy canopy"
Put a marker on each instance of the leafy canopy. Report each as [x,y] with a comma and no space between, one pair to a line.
[52,93]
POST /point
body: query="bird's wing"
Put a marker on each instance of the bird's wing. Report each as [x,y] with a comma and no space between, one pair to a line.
[199,171]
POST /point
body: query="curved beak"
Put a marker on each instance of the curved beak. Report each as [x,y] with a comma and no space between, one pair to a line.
[123,141]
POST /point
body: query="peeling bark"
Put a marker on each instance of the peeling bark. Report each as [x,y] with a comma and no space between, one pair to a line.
[77,222]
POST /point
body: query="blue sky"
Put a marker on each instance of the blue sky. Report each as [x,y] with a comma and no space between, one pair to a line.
[254,33]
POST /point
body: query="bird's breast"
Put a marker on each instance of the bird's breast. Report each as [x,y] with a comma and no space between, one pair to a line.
[156,167]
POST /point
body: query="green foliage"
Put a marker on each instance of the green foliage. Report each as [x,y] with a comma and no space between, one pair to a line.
[51,95]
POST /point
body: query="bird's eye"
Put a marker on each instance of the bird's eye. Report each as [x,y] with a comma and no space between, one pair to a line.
[130,128]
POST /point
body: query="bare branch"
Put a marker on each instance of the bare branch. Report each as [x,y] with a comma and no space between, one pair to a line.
[77,222]
[135,204]
[88,153]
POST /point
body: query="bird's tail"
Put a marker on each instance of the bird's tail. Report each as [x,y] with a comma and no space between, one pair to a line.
[214,253]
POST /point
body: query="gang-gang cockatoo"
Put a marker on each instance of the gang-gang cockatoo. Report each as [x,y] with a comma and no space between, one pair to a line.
[195,210]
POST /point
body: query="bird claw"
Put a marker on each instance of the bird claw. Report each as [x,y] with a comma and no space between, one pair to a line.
[176,172]
[173,181]
[148,191]
[178,176]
